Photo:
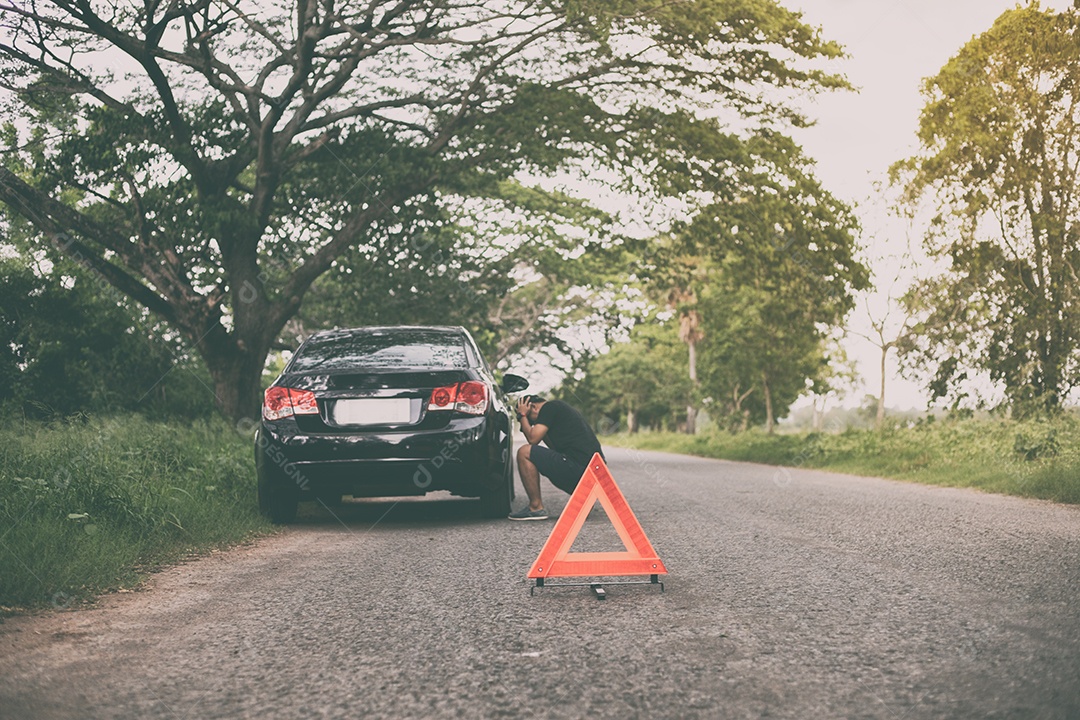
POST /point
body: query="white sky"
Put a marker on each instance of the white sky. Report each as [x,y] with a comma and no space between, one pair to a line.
[893,45]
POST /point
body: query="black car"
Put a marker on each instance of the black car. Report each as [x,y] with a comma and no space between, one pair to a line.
[386,411]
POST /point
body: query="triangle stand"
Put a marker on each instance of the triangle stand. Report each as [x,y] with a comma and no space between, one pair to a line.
[556,560]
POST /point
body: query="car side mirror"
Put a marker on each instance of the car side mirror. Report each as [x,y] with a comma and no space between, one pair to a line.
[514,383]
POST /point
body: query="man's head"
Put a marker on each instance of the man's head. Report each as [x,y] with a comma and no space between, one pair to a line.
[534,401]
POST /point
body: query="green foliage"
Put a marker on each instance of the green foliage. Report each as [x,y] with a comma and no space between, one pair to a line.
[639,383]
[66,348]
[780,231]
[1037,443]
[506,267]
[986,454]
[750,339]
[1000,159]
[775,272]
[248,152]
[90,503]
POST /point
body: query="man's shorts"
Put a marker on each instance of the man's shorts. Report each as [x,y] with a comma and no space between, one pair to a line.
[563,472]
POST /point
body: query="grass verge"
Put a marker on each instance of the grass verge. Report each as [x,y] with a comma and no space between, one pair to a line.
[92,504]
[1038,459]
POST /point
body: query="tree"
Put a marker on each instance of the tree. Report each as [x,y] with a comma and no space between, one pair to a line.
[759,352]
[510,280]
[243,150]
[999,159]
[761,275]
[678,281]
[783,249]
[885,339]
[891,327]
[641,380]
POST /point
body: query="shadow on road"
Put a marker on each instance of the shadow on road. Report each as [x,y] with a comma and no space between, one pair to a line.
[431,511]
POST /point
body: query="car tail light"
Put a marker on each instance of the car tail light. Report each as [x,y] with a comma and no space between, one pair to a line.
[469,397]
[281,402]
[472,398]
[443,398]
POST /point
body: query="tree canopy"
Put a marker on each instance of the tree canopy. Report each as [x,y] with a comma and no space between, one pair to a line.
[642,382]
[785,271]
[212,159]
[999,162]
[762,277]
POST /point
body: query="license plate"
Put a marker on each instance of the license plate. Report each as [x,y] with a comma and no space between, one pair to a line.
[372,411]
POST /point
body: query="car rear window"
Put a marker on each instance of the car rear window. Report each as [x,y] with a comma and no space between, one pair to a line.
[411,349]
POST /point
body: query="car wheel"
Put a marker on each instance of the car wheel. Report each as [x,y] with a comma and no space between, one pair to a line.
[496,503]
[278,497]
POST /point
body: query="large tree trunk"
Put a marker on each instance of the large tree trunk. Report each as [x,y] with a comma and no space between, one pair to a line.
[236,359]
[238,384]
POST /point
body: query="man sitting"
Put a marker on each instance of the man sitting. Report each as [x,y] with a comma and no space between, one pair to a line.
[570,442]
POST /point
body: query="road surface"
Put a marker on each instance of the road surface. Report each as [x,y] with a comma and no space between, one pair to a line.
[790,594]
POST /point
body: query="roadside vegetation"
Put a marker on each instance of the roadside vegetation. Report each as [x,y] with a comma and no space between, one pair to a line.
[1030,458]
[92,504]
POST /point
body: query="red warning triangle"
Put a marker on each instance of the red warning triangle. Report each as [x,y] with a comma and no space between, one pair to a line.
[556,560]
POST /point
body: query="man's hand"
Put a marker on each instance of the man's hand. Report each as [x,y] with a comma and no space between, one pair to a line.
[532,433]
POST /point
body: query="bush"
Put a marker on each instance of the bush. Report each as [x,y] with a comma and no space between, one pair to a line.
[66,348]
[1037,445]
[1031,458]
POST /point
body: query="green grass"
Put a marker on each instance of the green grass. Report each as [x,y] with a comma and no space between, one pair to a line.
[1039,459]
[93,504]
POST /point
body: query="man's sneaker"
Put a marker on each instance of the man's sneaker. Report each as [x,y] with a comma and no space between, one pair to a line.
[526,514]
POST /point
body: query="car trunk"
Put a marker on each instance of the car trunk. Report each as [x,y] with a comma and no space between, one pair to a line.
[362,401]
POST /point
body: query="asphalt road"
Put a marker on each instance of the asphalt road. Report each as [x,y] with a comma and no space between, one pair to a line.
[791,594]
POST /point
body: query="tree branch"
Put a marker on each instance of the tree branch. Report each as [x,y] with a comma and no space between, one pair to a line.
[58,220]
[322,259]
[142,51]
[71,79]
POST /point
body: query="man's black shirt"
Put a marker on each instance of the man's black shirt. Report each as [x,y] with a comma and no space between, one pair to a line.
[568,433]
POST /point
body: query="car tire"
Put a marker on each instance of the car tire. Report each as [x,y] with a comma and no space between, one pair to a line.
[278,497]
[496,503]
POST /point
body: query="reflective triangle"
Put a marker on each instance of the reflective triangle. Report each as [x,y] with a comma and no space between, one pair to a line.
[556,560]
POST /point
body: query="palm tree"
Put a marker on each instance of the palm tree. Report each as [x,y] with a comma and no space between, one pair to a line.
[683,300]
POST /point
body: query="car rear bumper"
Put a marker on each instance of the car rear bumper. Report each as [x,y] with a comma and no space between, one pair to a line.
[461,457]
